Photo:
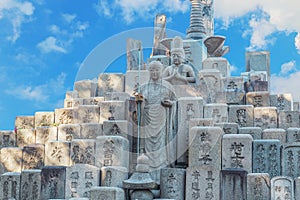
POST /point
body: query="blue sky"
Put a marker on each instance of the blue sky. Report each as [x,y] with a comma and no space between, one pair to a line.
[43,43]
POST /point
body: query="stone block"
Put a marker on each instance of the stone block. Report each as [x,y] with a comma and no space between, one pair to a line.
[25,137]
[293,135]
[283,102]
[205,147]
[10,185]
[241,114]
[110,83]
[274,133]
[117,96]
[80,178]
[73,103]
[24,122]
[258,61]
[11,159]
[30,187]
[135,78]
[53,182]
[287,119]
[237,151]
[112,193]
[228,128]
[88,114]
[90,131]
[219,112]
[68,132]
[231,98]
[290,160]
[44,118]
[7,139]
[258,76]
[43,134]
[134,52]
[113,110]
[57,153]
[33,156]
[202,183]
[258,99]
[258,186]
[265,117]
[267,157]
[260,86]
[86,88]
[65,116]
[296,106]
[83,151]
[255,132]
[201,122]
[112,151]
[117,128]
[282,187]
[297,188]
[195,52]
[233,84]
[92,101]
[218,63]
[113,176]
[172,183]
[71,95]
[234,184]
[188,108]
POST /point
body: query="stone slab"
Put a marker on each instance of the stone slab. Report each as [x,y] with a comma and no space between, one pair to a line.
[117,128]
[282,187]
[135,78]
[231,97]
[44,119]
[110,83]
[68,132]
[210,84]
[291,160]
[293,135]
[228,128]
[25,137]
[92,101]
[57,153]
[90,131]
[235,181]
[73,103]
[86,88]
[233,84]
[241,114]
[10,185]
[258,61]
[283,102]
[88,114]
[44,134]
[201,122]
[258,99]
[255,132]
[287,119]
[7,139]
[83,151]
[258,186]
[11,159]
[65,116]
[275,133]
[112,176]
[112,193]
[24,122]
[33,156]
[30,187]
[219,112]
[265,117]
[218,63]
[113,110]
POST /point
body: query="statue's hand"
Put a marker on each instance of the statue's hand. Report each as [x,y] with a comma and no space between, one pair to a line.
[166,103]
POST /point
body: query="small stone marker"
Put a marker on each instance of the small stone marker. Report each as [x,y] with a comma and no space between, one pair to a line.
[24,122]
[44,119]
[228,128]
[234,184]
[88,114]
[86,88]
[255,132]
[282,187]
[105,193]
[10,185]
[287,119]
[291,160]
[90,131]
[258,99]
[44,134]
[7,139]
[293,135]
[110,83]
[113,110]
[117,128]
[265,117]
[283,102]
[68,132]
[65,116]
[30,185]
[241,114]
[25,137]
[258,186]
[33,156]
[11,159]
[57,153]
[116,96]
[219,112]
[275,133]
[113,176]
[83,151]
[135,78]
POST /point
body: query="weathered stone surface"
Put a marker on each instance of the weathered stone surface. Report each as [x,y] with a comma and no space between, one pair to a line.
[57,153]
[71,94]
[296,106]
[110,83]
[92,101]
[282,187]
[255,132]
[83,151]
[7,139]
[11,159]
[241,114]
[88,114]
[188,108]
[283,102]
[219,112]
[297,188]
[291,160]
[53,182]
[25,137]
[116,96]
[30,188]
[117,128]
[24,122]
[65,116]
[287,119]
[205,146]
[275,133]
[33,156]
[112,193]
[113,110]
[258,186]
[202,183]
[113,176]
[258,99]
[258,61]
[265,117]
[134,54]
[80,178]
[90,131]
[135,78]
[237,151]
[86,88]
[218,63]
[73,103]
[112,151]
[293,135]
[10,185]
[231,97]
[44,118]
[228,128]
[44,134]
[234,184]
[209,84]
[68,132]
[201,122]
[233,84]
[267,157]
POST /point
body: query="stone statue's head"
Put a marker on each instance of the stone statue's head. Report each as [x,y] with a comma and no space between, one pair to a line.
[177,51]
[155,69]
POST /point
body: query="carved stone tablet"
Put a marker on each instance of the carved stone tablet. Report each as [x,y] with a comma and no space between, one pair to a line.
[25,137]
[11,159]
[43,134]
[53,182]
[283,102]
[293,135]
[235,181]
[219,112]
[90,131]
[241,114]
[258,99]
[57,153]
[86,88]
[33,156]
[83,151]
[112,176]
[282,187]
[24,122]
[291,160]
[265,117]
[103,193]
[255,132]
[113,110]
[275,133]
[287,119]
[44,119]
[10,186]
[68,132]
[88,114]
[7,139]
[110,83]
[258,186]
[30,185]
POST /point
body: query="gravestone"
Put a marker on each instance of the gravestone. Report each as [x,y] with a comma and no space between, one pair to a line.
[282,187]
[258,61]
[30,187]
[275,133]
[57,153]
[265,117]
[90,131]
[234,184]
[291,160]
[53,182]
[44,118]
[195,52]
[209,84]
[11,159]
[92,101]
[116,96]
[287,119]
[68,132]
[103,193]
[65,116]
[73,103]
[71,95]
[33,156]
[258,99]
[86,88]
[24,122]
[117,128]
[110,83]
[231,97]
[201,122]
[233,84]
[44,134]
[113,110]
[134,79]
[228,128]
[113,176]
[237,151]
[297,188]
[10,186]
[219,112]
[217,63]
[267,157]
[25,137]
[88,114]
[80,178]
[258,186]
[255,132]
[83,151]
[283,102]
[293,135]
[7,139]
[241,114]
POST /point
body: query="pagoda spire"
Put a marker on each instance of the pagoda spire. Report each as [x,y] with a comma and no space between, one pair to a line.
[197,29]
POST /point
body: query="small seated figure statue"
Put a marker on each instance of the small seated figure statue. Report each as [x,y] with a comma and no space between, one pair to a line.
[178,73]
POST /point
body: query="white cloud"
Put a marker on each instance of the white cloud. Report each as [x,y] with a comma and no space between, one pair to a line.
[103,8]
[297,42]
[50,44]
[288,67]
[68,17]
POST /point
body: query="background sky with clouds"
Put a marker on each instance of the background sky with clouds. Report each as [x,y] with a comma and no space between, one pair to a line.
[43,43]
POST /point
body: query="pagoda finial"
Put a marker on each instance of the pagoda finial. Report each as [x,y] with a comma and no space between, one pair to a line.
[196,30]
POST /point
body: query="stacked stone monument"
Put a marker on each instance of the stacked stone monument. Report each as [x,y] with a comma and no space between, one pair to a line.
[177,127]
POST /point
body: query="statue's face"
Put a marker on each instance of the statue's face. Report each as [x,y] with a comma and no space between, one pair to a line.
[176,58]
[155,73]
